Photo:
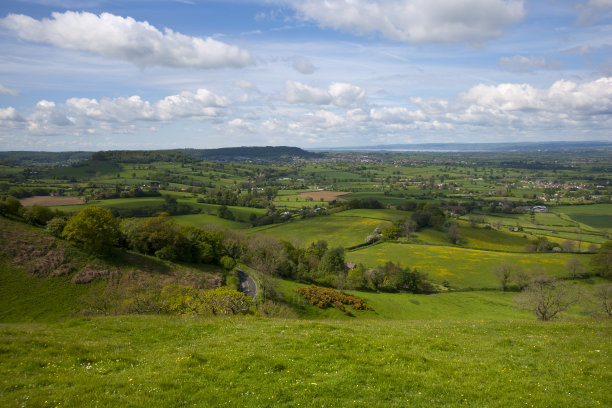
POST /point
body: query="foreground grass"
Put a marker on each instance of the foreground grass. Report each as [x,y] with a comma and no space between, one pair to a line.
[170,361]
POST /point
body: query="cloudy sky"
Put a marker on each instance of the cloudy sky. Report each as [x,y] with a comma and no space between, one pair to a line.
[150,74]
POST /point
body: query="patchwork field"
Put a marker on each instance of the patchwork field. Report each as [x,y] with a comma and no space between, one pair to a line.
[50,201]
[596,216]
[324,195]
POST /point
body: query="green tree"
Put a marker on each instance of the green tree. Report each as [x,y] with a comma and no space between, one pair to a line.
[332,262]
[454,233]
[37,214]
[355,278]
[94,228]
[601,262]
[10,206]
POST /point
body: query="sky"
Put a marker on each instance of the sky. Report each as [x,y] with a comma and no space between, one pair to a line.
[154,74]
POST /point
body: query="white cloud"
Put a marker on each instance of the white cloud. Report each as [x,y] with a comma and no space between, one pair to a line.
[296,92]
[302,65]
[10,114]
[346,95]
[566,108]
[202,104]
[126,39]
[338,93]
[520,63]
[6,91]
[47,118]
[416,21]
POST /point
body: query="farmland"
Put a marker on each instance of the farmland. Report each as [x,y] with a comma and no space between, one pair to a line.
[419,237]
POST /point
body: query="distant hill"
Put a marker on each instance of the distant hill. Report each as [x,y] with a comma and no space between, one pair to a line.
[478,147]
[262,153]
[253,153]
[43,158]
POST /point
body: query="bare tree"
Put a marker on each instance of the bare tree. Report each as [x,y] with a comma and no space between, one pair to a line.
[521,277]
[503,273]
[454,233]
[602,299]
[568,245]
[546,297]
[575,268]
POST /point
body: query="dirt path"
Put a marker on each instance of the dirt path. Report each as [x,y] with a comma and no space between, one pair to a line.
[247,284]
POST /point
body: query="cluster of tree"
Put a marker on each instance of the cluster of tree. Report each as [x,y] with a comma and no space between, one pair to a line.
[143,156]
[365,203]
[428,215]
[249,198]
[390,277]
[21,192]
[162,237]
[264,153]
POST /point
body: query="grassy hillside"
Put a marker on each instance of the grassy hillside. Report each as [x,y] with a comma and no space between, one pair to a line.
[169,361]
[45,279]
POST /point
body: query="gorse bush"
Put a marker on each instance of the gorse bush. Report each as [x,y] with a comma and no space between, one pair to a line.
[327,297]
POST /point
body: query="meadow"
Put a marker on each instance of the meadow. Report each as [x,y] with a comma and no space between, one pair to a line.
[461,267]
[336,230]
[172,361]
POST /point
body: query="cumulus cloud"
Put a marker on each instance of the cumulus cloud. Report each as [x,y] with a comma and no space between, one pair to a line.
[6,91]
[416,21]
[520,63]
[339,94]
[126,39]
[10,114]
[302,65]
[202,104]
[565,98]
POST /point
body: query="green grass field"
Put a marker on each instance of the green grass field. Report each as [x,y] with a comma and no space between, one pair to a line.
[336,230]
[199,220]
[463,268]
[172,361]
[597,215]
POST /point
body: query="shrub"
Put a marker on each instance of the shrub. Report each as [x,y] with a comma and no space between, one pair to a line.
[327,297]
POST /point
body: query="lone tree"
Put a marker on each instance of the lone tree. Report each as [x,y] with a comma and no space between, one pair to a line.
[575,268]
[503,273]
[602,260]
[546,297]
[454,233]
[602,299]
[94,228]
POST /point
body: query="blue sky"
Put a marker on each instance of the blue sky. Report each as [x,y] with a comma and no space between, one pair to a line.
[101,75]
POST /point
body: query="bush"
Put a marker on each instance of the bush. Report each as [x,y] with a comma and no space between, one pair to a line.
[56,226]
[326,297]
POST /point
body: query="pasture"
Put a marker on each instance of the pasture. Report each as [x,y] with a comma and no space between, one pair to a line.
[168,361]
[336,230]
[461,267]
[596,215]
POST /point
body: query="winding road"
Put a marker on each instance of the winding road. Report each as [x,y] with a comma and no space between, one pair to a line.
[247,284]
